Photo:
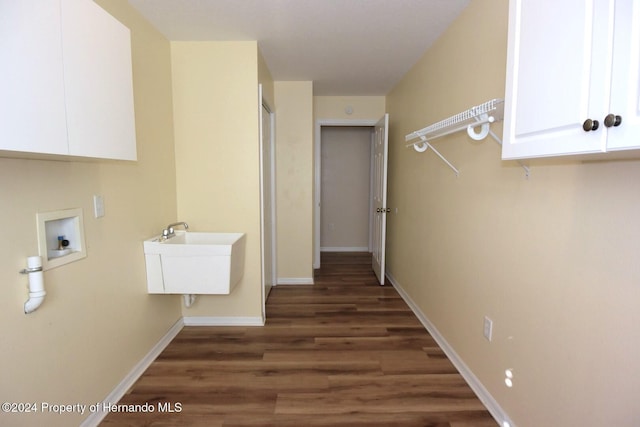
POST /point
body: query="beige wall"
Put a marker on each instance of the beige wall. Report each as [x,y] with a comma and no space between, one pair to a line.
[294,179]
[346,184]
[265,79]
[215,93]
[97,320]
[362,107]
[553,260]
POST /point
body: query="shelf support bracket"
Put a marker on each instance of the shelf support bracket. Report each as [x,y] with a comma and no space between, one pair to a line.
[424,145]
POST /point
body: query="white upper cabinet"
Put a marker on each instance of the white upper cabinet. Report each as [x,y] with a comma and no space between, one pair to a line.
[572,78]
[32,112]
[68,81]
[625,77]
[98,82]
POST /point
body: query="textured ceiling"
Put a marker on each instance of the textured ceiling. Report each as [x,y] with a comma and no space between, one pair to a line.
[346,47]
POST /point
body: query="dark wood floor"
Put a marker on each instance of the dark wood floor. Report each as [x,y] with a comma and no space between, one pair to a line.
[344,352]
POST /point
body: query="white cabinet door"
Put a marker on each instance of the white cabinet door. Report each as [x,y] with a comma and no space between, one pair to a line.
[558,75]
[98,82]
[625,76]
[32,114]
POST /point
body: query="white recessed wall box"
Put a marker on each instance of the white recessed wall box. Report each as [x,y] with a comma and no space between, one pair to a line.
[60,237]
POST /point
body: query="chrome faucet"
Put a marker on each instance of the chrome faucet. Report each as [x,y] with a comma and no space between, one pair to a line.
[168,232]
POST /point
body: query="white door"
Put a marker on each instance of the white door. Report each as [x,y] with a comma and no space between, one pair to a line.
[267,191]
[380,149]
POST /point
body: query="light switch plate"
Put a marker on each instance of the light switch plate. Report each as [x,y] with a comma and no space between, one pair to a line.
[488,328]
[98,206]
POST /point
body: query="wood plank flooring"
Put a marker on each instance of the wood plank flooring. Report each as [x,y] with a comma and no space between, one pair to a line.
[343,352]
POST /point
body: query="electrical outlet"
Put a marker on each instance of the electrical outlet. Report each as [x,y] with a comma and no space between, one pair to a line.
[488,328]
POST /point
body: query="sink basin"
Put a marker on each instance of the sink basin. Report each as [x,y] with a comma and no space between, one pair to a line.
[194,263]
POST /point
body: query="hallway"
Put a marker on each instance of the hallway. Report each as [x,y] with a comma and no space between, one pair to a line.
[343,352]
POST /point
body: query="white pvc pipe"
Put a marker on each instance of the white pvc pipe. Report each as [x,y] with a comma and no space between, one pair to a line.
[36,284]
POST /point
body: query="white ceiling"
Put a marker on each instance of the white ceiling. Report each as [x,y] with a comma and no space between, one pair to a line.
[346,47]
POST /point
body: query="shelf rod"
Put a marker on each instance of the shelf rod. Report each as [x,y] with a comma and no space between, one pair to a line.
[461,120]
[467,120]
[480,122]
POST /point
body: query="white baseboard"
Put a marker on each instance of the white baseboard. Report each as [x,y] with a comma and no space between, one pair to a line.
[222,321]
[295,281]
[344,249]
[95,418]
[483,394]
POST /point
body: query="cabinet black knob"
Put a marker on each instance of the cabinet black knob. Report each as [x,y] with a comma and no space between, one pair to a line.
[612,120]
[590,125]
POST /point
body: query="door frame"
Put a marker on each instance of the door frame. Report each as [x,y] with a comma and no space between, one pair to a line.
[263,103]
[317,173]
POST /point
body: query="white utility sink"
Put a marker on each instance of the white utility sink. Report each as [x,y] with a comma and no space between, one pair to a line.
[194,263]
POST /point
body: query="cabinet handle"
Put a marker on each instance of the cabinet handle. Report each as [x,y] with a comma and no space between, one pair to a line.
[612,120]
[590,125]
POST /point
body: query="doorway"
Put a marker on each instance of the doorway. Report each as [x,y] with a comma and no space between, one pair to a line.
[320,124]
[345,196]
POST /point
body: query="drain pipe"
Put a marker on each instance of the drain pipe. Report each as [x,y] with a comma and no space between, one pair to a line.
[36,284]
[189,299]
